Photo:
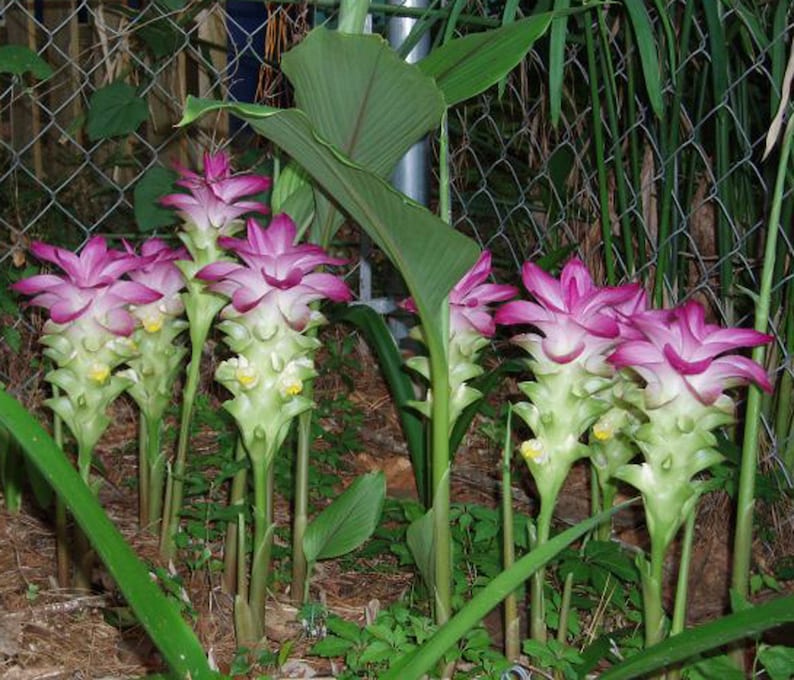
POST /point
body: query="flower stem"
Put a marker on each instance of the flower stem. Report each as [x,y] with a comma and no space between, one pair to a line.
[537,620]
[678,622]
[745,499]
[439,375]
[172,509]
[652,594]
[301,505]
[156,474]
[231,559]
[512,621]
[143,472]
[263,533]
[61,530]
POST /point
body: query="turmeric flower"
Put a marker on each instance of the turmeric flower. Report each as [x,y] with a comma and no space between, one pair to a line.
[675,351]
[90,290]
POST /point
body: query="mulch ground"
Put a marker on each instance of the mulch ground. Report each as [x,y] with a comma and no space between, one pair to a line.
[49,632]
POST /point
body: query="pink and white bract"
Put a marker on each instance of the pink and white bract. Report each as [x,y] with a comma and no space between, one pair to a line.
[577,319]
[156,270]
[470,300]
[214,199]
[675,351]
[275,273]
[90,290]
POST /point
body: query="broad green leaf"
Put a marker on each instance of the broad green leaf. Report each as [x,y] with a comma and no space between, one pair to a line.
[19,59]
[646,47]
[149,214]
[362,98]
[412,666]
[158,615]
[380,339]
[348,521]
[331,647]
[406,232]
[115,110]
[468,66]
[419,539]
[704,638]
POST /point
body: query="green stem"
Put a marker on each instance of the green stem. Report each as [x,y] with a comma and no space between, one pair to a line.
[653,573]
[198,337]
[610,89]
[512,621]
[565,609]
[231,559]
[608,493]
[745,500]
[259,569]
[143,473]
[156,474]
[438,350]
[598,144]
[84,555]
[352,15]
[537,620]
[301,506]
[678,622]
[61,529]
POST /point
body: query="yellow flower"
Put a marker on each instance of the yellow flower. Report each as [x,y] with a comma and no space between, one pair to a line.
[153,322]
[99,372]
[533,450]
[291,387]
[603,430]
[245,375]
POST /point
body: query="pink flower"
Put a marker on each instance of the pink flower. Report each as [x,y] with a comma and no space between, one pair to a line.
[676,350]
[157,271]
[91,290]
[213,201]
[274,272]
[578,320]
[469,299]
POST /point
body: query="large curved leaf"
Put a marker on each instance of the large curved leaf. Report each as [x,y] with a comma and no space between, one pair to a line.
[365,100]
[159,616]
[361,97]
[427,252]
[467,66]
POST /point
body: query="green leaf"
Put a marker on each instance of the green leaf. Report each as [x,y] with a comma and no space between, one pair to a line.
[149,214]
[376,652]
[419,538]
[704,638]
[293,194]
[19,59]
[649,57]
[343,628]
[559,34]
[778,661]
[158,615]
[348,521]
[331,647]
[380,339]
[361,97]
[354,90]
[412,666]
[115,110]
[468,66]
[406,232]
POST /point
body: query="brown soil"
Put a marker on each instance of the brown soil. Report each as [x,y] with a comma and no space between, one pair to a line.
[48,632]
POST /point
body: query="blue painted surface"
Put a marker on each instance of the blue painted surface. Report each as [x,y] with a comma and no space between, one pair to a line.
[246,29]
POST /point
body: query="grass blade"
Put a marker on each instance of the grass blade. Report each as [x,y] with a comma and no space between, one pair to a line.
[158,615]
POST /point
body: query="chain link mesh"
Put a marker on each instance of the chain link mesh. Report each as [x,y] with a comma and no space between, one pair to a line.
[521,186]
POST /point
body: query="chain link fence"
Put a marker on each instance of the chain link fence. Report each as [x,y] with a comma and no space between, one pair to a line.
[678,197]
